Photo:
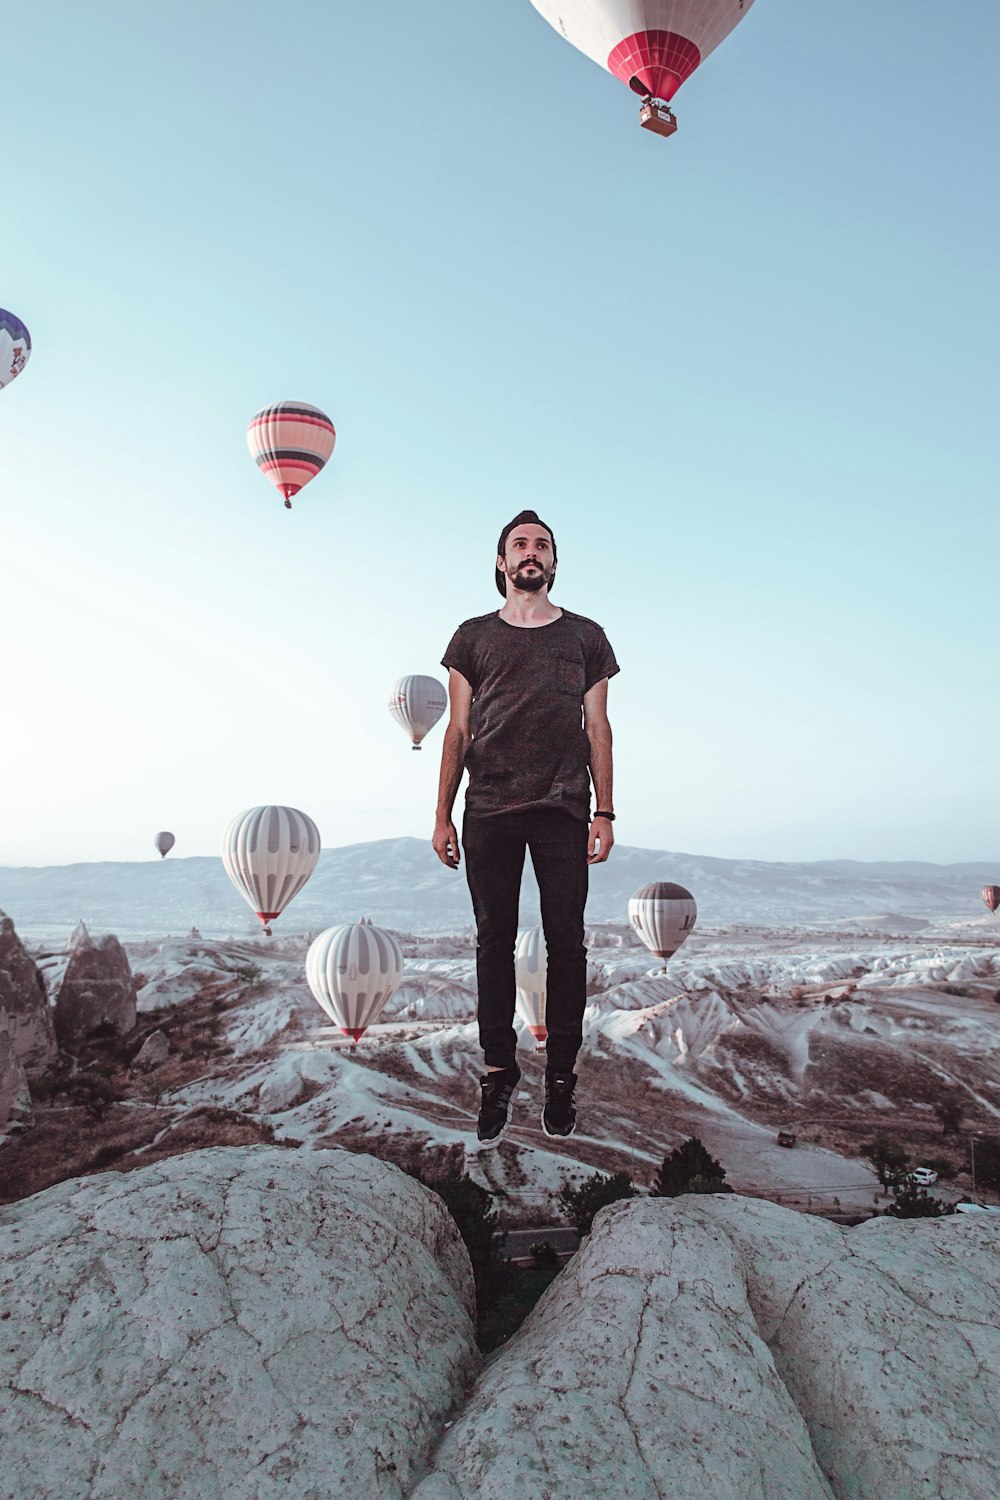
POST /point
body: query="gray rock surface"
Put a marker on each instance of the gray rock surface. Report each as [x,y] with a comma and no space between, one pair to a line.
[97,989]
[15,1098]
[23,997]
[244,1323]
[248,1323]
[887,1337]
[154,1051]
[725,1347]
[641,1374]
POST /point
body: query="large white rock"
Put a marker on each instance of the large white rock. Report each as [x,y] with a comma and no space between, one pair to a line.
[640,1374]
[887,1336]
[235,1324]
[723,1348]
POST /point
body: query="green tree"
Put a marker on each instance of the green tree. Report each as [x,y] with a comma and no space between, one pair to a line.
[580,1205]
[913,1202]
[690,1168]
[888,1158]
[949,1109]
[471,1206]
[987,1162]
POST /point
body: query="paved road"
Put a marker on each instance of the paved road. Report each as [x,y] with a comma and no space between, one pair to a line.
[520,1241]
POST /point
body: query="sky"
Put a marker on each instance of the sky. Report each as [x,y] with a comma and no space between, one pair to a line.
[747,375]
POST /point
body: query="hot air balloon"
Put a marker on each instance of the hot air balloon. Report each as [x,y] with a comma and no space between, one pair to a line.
[991,895]
[663,914]
[417,703]
[269,854]
[290,442]
[652,45]
[164,842]
[530,976]
[15,347]
[352,971]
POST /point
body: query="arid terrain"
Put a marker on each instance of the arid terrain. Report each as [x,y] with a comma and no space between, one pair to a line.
[832,1037]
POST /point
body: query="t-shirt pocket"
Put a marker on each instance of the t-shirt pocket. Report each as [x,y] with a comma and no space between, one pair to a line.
[570,675]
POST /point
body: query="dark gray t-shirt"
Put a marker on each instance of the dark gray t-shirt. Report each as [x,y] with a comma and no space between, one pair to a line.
[529,749]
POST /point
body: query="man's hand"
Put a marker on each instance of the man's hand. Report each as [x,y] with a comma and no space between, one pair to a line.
[602,835]
[445,844]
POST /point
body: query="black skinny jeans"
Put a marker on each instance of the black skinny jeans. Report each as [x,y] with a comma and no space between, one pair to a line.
[494,859]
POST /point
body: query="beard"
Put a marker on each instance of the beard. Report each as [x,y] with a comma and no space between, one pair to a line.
[534,583]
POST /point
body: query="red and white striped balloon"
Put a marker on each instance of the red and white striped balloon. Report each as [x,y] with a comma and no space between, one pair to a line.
[652,45]
[991,895]
[269,853]
[290,442]
[352,971]
[531,973]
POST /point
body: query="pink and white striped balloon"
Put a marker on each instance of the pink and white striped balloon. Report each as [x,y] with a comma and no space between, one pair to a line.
[290,442]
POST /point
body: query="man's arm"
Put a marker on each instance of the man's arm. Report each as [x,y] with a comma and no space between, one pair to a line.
[457,738]
[595,722]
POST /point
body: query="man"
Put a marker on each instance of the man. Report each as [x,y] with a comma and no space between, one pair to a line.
[528,687]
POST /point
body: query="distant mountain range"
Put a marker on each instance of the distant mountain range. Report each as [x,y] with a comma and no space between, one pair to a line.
[400,884]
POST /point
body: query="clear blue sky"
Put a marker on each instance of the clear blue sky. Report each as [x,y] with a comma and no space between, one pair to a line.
[748,375]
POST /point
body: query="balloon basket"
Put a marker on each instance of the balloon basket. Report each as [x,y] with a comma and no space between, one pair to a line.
[659,118]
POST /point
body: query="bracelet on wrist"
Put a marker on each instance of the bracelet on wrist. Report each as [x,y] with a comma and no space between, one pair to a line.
[609,815]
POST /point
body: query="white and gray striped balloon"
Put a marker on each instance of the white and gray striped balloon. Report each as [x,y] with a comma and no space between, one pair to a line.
[663,915]
[269,853]
[417,703]
[352,971]
[531,977]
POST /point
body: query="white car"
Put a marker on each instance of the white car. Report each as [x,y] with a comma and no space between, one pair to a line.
[923,1176]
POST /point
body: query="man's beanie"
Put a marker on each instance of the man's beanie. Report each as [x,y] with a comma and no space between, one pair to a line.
[520,520]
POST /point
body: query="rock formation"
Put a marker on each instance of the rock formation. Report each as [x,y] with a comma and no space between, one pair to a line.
[154,1051]
[15,1098]
[259,1322]
[725,1347]
[97,990]
[242,1321]
[23,997]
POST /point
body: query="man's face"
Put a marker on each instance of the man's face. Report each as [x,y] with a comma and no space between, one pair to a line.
[527,558]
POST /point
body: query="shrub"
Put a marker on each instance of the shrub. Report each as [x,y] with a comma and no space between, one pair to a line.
[888,1158]
[580,1205]
[690,1168]
[912,1202]
[544,1257]
[250,975]
[949,1110]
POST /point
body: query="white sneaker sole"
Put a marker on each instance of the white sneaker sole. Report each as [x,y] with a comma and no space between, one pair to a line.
[557,1135]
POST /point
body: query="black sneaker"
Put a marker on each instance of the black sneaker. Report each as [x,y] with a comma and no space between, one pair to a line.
[559,1112]
[497,1090]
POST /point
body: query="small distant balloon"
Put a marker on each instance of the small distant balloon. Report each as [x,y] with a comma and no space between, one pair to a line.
[290,442]
[164,843]
[991,895]
[416,703]
[663,915]
[269,853]
[15,347]
[531,978]
[353,971]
